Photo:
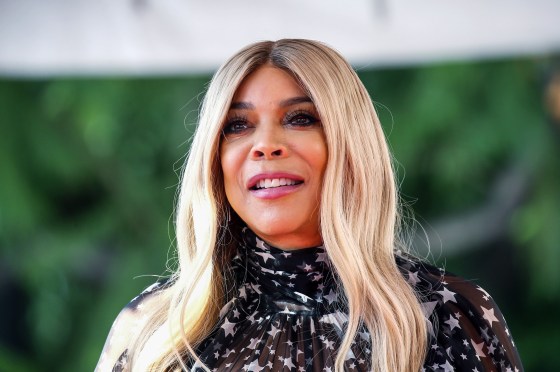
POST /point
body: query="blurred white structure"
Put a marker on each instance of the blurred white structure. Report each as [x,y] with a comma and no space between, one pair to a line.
[146,37]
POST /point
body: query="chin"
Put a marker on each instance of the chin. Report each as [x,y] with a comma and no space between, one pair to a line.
[265,230]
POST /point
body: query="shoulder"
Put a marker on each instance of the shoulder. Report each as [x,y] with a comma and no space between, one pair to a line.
[467,329]
[126,326]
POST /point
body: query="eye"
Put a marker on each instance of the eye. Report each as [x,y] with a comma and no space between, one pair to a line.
[301,118]
[235,125]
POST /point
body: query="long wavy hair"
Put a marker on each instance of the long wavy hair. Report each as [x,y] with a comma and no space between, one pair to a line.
[359,216]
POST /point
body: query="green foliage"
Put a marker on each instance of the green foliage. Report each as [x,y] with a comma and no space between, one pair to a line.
[455,130]
[88,173]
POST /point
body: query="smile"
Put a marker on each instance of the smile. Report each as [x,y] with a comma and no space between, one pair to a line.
[269,183]
[272,185]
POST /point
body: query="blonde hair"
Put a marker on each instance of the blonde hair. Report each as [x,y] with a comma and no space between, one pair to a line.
[359,202]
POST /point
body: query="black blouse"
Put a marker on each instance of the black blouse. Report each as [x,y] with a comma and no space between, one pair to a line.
[288,315]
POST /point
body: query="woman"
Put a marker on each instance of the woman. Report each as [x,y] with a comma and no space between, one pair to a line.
[287,234]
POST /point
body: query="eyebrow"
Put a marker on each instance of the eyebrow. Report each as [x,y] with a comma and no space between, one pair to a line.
[285,103]
[241,106]
[294,101]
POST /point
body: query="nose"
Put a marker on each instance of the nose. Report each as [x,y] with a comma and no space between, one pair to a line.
[268,143]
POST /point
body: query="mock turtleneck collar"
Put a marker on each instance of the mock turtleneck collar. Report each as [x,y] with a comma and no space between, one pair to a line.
[300,279]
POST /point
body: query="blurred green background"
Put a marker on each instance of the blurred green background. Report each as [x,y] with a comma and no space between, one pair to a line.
[88,174]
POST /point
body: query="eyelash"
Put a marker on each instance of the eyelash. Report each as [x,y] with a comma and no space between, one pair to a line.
[234,120]
[308,116]
[242,120]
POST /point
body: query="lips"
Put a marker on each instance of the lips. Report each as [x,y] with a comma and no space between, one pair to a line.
[269,181]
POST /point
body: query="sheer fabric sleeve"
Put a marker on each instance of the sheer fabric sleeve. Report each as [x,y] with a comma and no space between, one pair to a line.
[128,323]
[470,330]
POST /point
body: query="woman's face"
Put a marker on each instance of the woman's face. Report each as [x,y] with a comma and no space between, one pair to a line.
[273,155]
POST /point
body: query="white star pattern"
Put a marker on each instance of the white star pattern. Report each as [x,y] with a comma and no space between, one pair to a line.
[280,299]
[321,257]
[228,328]
[413,278]
[489,315]
[350,355]
[288,362]
[317,277]
[447,295]
[273,331]
[242,292]
[260,244]
[486,295]
[287,311]
[253,343]
[253,367]
[265,256]
[447,367]
[331,297]
[452,322]
[427,310]
[303,297]
[478,348]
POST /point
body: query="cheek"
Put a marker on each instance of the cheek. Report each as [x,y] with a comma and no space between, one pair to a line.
[316,154]
[322,156]
[231,162]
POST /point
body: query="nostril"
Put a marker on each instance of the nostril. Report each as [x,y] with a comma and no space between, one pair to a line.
[268,153]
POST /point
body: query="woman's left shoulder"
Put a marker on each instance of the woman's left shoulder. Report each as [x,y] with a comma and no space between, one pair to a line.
[468,331]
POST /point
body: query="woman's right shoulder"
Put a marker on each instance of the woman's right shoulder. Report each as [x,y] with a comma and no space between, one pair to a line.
[127,325]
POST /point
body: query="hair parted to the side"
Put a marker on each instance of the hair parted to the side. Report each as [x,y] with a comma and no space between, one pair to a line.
[359,205]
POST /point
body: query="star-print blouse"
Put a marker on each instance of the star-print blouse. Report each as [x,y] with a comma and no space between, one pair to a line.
[288,315]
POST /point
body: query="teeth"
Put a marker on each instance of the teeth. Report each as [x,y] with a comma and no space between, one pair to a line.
[274,182]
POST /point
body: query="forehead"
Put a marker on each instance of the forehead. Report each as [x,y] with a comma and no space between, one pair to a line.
[268,83]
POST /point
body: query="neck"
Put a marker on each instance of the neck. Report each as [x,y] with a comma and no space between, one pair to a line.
[291,242]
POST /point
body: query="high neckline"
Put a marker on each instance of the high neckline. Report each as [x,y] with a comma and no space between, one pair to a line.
[292,280]
[253,240]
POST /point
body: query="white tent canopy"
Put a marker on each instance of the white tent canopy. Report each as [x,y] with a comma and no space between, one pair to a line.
[143,37]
